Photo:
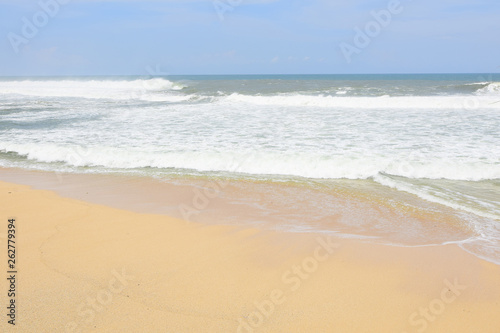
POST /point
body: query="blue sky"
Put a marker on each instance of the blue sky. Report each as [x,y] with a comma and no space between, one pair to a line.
[98,37]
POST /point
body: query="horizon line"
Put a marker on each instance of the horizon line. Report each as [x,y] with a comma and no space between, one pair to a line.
[262,74]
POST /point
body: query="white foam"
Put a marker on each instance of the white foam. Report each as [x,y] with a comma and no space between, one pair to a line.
[259,163]
[156,89]
[477,83]
[428,195]
[492,88]
[382,102]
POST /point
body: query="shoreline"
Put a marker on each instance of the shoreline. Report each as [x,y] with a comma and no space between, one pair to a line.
[86,266]
[369,211]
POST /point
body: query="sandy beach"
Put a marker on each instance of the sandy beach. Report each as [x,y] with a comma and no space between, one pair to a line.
[88,267]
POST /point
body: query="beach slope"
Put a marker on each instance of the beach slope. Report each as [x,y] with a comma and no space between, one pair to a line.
[85,267]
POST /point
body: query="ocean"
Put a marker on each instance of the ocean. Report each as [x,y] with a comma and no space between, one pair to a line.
[423,143]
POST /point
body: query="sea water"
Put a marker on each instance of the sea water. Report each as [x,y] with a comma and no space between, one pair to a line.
[433,137]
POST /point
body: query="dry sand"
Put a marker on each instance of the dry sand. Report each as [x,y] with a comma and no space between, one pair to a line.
[86,267]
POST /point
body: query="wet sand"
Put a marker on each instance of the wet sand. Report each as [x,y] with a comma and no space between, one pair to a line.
[85,266]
